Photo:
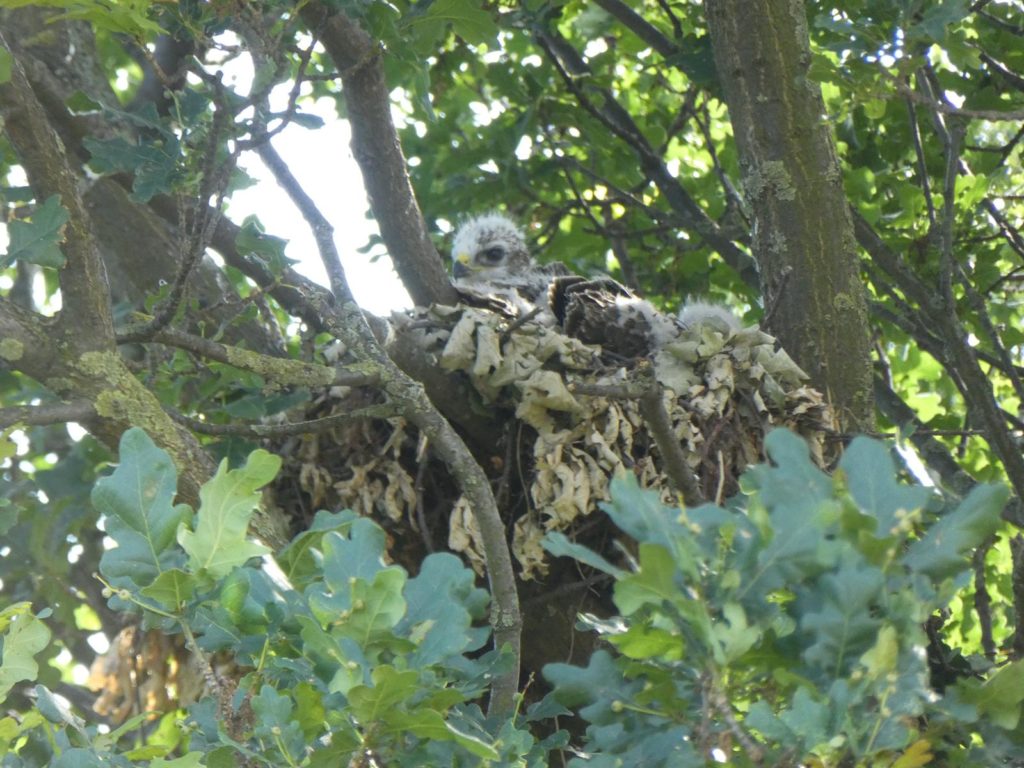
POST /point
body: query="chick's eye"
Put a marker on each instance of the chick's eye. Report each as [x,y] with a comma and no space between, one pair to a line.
[492,255]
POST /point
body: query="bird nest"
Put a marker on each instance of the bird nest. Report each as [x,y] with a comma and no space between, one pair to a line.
[572,423]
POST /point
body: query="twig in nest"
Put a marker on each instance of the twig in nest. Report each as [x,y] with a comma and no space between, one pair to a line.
[519,323]
[652,408]
[421,472]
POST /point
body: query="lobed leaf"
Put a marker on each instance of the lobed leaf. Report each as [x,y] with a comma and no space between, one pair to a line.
[24,635]
[38,241]
[943,551]
[220,540]
[136,501]
[873,484]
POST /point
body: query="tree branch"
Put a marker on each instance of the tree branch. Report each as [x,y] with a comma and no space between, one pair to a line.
[284,371]
[83,282]
[45,415]
[935,455]
[639,26]
[378,152]
[958,357]
[309,427]
[941,107]
[26,341]
[652,408]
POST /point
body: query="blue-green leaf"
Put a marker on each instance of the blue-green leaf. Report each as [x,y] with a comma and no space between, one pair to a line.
[942,551]
[38,240]
[871,476]
[136,501]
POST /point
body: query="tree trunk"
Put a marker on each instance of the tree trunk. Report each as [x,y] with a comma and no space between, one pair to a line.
[803,236]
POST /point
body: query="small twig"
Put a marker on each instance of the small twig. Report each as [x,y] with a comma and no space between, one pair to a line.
[564,590]
[720,490]
[982,603]
[626,390]
[732,194]
[977,302]
[214,178]
[1017,582]
[45,415]
[519,323]
[422,461]
[677,27]
[502,495]
[320,227]
[260,431]
[954,134]
[922,167]
[724,708]
[574,73]
[948,109]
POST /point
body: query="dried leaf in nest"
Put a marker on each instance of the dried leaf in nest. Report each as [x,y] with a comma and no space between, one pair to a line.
[542,393]
[464,535]
[527,548]
[380,486]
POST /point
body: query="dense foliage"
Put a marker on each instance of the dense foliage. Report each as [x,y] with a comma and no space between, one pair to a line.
[850,618]
[789,629]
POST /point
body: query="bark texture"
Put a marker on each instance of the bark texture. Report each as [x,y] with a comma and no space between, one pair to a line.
[803,236]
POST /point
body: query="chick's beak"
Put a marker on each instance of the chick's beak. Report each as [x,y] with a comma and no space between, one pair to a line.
[461,266]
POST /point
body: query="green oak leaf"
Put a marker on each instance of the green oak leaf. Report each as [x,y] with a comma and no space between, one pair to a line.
[253,239]
[841,627]
[38,241]
[391,687]
[467,18]
[24,635]
[171,588]
[226,503]
[1000,696]
[873,484]
[943,551]
[153,165]
[442,601]
[136,501]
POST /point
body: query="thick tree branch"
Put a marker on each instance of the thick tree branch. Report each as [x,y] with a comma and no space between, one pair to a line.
[376,149]
[957,355]
[83,282]
[86,364]
[935,455]
[26,341]
[804,241]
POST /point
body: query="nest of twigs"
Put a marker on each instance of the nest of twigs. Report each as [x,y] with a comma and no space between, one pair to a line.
[572,423]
